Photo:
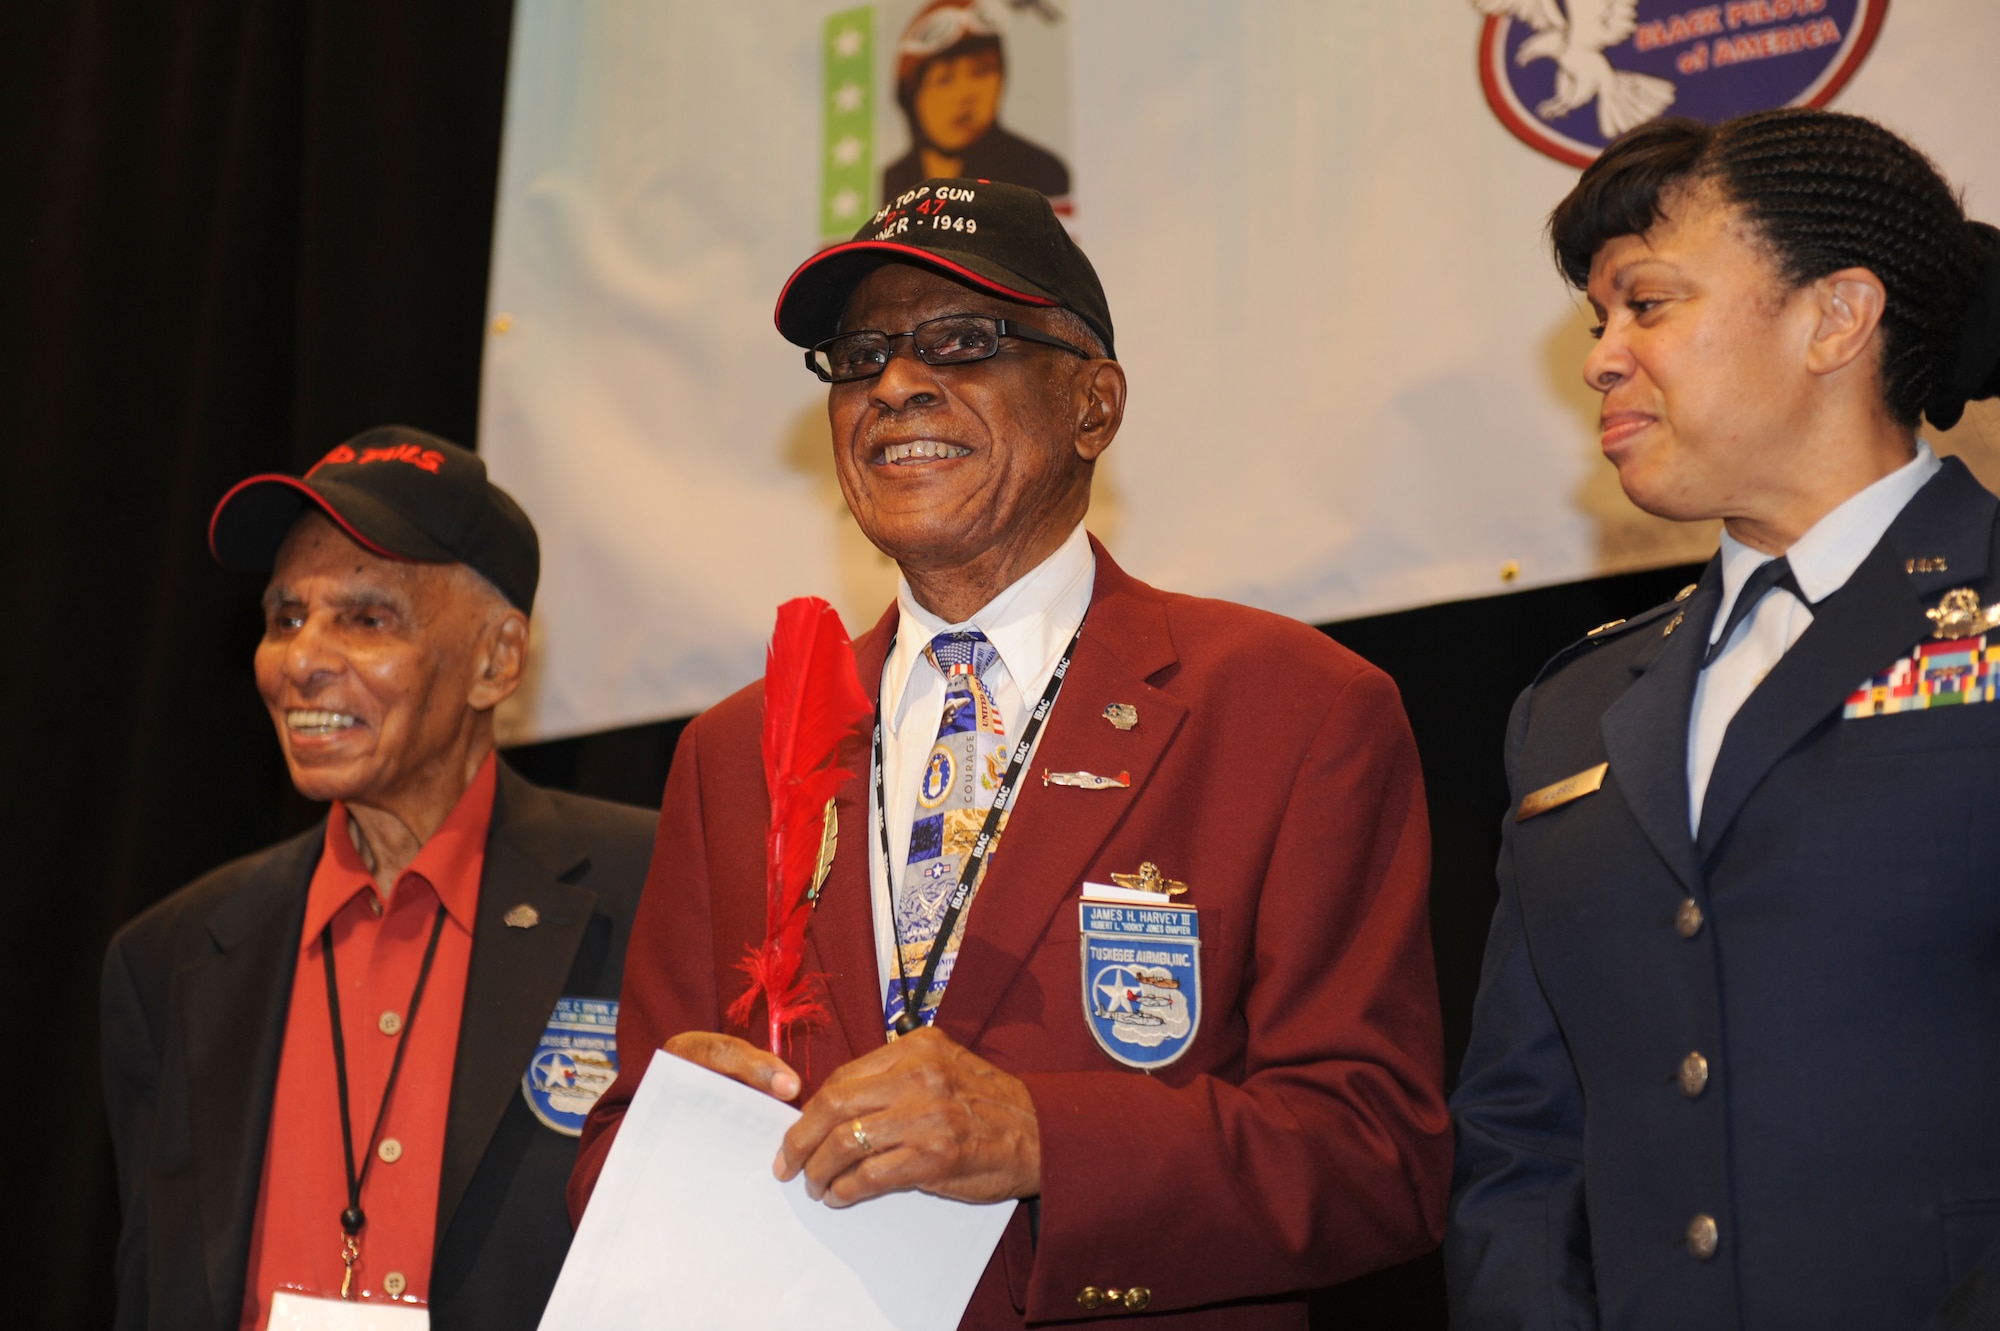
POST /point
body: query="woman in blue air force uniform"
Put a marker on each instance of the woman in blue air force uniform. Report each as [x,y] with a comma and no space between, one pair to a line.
[1736,1055]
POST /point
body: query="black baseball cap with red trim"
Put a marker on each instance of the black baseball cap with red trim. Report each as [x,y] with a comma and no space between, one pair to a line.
[1002,239]
[402,493]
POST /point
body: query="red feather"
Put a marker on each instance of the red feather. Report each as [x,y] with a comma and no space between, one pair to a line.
[813,702]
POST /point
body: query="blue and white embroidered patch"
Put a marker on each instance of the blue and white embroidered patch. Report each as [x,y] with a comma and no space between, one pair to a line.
[575,1063]
[1141,980]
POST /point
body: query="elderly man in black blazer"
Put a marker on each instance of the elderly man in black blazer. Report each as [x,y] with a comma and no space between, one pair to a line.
[274,1145]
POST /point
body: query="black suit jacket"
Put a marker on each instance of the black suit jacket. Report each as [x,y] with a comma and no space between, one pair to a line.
[194,1004]
[1843,983]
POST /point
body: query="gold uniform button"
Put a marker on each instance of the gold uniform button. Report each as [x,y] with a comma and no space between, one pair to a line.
[1091,1297]
[390,1150]
[1702,1237]
[393,1284]
[1137,1297]
[1694,1075]
[1684,592]
[1687,920]
[389,1023]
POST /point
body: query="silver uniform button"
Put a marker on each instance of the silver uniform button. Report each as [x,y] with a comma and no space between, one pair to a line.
[1687,920]
[1702,1237]
[1694,1075]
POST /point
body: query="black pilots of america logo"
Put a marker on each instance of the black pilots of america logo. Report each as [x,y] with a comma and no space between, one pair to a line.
[1569,76]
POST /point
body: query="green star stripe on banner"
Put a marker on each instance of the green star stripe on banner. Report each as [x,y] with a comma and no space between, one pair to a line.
[847,168]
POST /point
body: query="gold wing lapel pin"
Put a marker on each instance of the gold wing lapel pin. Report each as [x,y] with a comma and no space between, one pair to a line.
[1150,879]
[1959,615]
[829,844]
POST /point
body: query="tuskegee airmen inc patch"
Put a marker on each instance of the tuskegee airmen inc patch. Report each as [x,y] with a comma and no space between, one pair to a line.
[575,1063]
[1141,979]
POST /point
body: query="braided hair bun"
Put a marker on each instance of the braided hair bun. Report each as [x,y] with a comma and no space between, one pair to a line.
[1824,191]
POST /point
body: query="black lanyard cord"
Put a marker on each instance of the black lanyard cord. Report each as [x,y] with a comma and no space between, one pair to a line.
[961,896]
[352,1219]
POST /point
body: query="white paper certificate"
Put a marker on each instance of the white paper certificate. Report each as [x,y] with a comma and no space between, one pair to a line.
[688,1228]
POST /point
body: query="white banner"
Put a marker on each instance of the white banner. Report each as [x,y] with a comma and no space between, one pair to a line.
[1355,376]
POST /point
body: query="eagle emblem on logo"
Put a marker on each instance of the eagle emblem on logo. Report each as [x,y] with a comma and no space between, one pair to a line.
[1568,76]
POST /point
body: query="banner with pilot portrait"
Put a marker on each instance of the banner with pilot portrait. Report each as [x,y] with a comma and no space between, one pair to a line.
[915,89]
[1355,375]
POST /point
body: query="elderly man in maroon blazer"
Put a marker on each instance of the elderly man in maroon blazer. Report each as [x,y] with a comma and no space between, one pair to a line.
[1207,1113]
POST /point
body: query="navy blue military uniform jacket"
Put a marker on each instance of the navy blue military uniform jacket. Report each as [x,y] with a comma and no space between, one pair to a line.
[196,992]
[1828,945]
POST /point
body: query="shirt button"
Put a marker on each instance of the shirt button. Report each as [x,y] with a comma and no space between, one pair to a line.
[393,1284]
[390,1150]
[1702,1237]
[1694,1075]
[389,1023]
[1090,1297]
[1687,920]
[1137,1297]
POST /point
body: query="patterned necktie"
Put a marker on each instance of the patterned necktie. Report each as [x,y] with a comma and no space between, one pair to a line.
[1776,573]
[953,797]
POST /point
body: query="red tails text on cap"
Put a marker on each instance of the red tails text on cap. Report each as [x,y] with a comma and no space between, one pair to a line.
[424,459]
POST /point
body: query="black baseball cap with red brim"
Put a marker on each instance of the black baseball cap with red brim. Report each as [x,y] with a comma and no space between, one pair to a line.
[399,492]
[1001,239]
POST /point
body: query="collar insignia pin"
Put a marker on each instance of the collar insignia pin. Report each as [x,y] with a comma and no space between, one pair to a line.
[1150,879]
[1122,715]
[1673,624]
[1959,615]
[522,916]
[1927,564]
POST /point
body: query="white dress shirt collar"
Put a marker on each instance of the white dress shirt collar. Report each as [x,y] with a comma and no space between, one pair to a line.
[1826,556]
[1028,624]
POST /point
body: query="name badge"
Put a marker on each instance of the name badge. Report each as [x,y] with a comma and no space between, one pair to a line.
[575,1063]
[1141,978]
[291,1311]
[1586,782]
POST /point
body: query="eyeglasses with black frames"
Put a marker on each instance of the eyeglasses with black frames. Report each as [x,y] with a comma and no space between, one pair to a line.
[955,339]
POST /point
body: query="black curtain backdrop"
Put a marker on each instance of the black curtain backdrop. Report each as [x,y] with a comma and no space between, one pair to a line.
[235,235]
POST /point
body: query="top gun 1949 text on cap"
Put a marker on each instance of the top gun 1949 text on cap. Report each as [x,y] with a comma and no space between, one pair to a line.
[403,493]
[1003,239]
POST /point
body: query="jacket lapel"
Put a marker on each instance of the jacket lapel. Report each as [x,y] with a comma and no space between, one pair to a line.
[1876,617]
[516,975]
[1645,731]
[1054,833]
[234,1002]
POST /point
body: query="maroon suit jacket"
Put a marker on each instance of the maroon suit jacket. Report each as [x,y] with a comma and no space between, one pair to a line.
[1302,1138]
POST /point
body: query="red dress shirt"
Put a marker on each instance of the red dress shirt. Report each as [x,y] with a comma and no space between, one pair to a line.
[296,1239]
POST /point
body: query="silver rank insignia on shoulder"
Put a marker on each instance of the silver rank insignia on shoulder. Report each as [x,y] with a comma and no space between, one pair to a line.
[522,916]
[1959,615]
[1150,879]
[1122,715]
[1086,780]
